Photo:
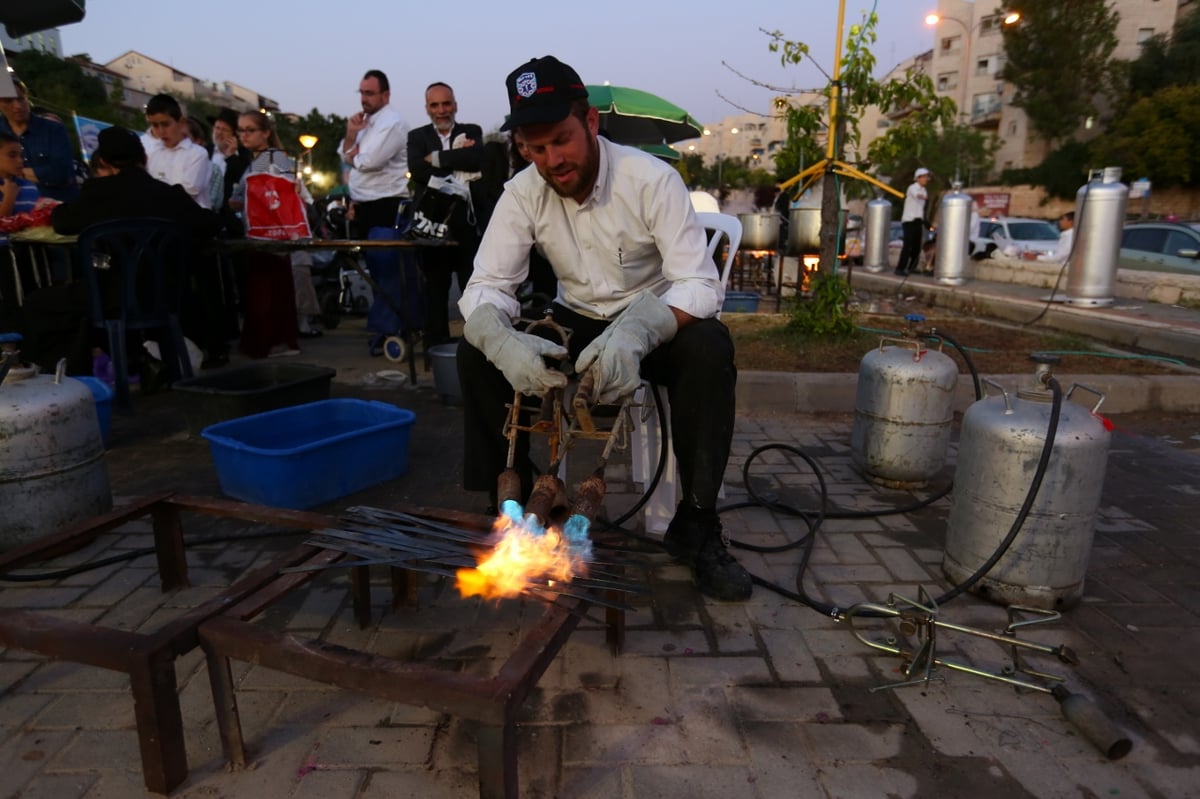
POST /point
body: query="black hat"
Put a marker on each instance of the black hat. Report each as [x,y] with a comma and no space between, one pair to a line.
[120,146]
[541,92]
[226,115]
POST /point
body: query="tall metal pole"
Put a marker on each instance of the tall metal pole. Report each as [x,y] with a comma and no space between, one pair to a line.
[830,202]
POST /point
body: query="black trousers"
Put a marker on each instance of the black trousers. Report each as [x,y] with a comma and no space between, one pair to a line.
[373,213]
[910,252]
[696,368]
[439,266]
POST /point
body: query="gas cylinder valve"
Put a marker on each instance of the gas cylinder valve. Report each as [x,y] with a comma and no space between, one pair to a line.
[1043,370]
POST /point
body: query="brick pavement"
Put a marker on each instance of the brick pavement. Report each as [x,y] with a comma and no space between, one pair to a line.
[759,699]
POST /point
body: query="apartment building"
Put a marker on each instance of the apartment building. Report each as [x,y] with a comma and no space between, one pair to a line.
[147,75]
[47,41]
[968,56]
[965,62]
[756,138]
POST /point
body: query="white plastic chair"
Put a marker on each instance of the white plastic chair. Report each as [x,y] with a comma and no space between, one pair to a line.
[723,226]
[704,202]
[645,442]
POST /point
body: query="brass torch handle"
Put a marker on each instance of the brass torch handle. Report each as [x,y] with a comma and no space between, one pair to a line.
[587,387]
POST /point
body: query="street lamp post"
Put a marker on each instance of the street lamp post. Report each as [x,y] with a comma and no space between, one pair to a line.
[935,19]
[308,142]
[720,151]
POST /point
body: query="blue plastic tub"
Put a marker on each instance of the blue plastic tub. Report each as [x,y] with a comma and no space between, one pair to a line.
[306,455]
[101,392]
[740,302]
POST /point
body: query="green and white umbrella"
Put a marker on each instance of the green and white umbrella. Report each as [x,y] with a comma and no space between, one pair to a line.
[663,151]
[632,116]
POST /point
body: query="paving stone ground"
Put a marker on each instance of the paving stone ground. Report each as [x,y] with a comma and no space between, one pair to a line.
[766,698]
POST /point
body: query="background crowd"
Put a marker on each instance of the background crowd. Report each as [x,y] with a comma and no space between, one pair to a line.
[260,301]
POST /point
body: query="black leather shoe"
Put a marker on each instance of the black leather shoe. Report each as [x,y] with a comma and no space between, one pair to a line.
[901,272]
[697,539]
[718,574]
[683,537]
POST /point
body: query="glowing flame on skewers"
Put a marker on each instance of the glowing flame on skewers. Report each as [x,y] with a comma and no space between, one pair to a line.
[526,555]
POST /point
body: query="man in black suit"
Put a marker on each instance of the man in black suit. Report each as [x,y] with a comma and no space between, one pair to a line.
[441,148]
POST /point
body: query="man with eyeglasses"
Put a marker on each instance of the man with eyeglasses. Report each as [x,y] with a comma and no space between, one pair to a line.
[375,148]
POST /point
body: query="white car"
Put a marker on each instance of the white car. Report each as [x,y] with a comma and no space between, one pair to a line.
[1015,235]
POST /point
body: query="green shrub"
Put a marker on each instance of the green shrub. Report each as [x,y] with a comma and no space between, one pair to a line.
[826,313]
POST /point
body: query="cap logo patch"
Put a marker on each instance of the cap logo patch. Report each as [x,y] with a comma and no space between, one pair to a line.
[527,84]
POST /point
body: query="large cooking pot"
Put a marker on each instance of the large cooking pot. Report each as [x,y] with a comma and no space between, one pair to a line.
[759,231]
[804,231]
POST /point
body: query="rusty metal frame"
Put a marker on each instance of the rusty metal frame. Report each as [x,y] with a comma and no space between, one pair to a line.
[222,626]
[149,658]
[493,702]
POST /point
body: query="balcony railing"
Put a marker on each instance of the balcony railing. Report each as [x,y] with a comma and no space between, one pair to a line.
[985,110]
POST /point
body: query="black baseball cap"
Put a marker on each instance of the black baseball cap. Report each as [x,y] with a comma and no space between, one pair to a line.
[540,92]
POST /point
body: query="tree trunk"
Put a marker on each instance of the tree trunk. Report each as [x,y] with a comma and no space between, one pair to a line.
[830,196]
[829,223]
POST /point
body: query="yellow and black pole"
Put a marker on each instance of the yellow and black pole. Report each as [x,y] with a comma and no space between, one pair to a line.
[832,164]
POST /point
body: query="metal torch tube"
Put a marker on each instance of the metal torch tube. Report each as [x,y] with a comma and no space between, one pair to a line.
[590,497]
[508,486]
[1091,721]
[549,494]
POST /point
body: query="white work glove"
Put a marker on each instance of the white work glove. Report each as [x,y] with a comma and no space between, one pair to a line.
[517,355]
[615,356]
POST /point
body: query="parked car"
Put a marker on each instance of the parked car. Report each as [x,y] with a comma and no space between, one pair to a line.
[1014,235]
[1161,247]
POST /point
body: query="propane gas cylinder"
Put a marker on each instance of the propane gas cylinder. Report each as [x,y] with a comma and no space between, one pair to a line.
[1000,443]
[903,408]
[52,468]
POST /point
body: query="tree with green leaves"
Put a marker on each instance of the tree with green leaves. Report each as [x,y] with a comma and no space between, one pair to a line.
[1059,61]
[1158,137]
[690,167]
[329,130]
[1060,174]
[1172,60]
[61,86]
[852,89]
[960,152]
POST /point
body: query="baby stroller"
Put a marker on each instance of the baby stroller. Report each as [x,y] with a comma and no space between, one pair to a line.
[341,288]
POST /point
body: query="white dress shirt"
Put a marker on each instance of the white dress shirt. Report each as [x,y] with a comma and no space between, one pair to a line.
[1062,249]
[380,167]
[185,164]
[636,231]
[914,202]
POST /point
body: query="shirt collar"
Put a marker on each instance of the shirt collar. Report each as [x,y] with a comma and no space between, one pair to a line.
[602,176]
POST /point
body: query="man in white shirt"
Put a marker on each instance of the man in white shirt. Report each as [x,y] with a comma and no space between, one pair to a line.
[177,159]
[1066,237]
[375,148]
[913,220]
[635,289]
